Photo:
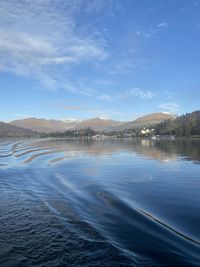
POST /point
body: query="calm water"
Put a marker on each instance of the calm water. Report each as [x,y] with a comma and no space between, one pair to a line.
[99,203]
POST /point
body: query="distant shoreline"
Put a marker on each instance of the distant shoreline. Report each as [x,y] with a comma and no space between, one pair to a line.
[103,138]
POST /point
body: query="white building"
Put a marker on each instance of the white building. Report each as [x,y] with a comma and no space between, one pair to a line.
[147,131]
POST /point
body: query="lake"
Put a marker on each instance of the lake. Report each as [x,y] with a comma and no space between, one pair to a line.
[100,203]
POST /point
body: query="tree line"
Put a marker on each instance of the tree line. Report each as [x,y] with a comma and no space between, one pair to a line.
[184,126]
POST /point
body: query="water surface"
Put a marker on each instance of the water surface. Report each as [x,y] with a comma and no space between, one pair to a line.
[99,203]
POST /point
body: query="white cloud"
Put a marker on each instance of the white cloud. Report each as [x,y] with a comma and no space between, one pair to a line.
[138,92]
[123,67]
[163,24]
[37,37]
[169,94]
[133,92]
[106,98]
[170,107]
[153,30]
[126,62]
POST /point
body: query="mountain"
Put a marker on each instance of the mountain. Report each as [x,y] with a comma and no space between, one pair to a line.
[148,120]
[48,126]
[7,130]
[155,118]
[98,124]
[43,125]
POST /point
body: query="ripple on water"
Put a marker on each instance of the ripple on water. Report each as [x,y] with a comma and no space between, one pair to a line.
[106,206]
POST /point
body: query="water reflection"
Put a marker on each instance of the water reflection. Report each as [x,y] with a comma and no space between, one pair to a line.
[108,202]
[162,150]
[62,149]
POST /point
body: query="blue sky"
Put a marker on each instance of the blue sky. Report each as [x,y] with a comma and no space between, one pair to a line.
[80,59]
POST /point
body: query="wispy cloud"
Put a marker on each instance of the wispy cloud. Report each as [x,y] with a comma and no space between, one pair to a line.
[122,67]
[125,63]
[170,107]
[153,30]
[133,92]
[37,37]
[163,24]
[106,98]
[138,92]
[169,94]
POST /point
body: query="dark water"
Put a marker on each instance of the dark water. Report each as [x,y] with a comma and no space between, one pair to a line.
[99,203]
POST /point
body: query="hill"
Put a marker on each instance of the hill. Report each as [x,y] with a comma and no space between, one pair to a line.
[186,125]
[98,124]
[43,125]
[49,126]
[7,130]
[148,120]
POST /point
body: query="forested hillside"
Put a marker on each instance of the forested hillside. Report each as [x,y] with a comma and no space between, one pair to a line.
[186,125]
